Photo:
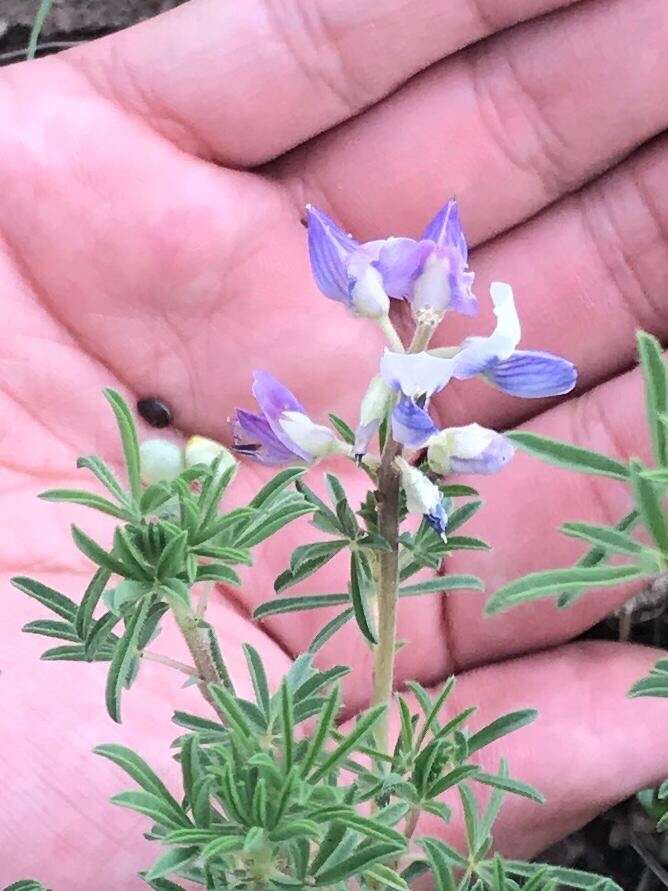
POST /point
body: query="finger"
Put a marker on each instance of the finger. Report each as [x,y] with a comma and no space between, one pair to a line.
[589,748]
[595,262]
[507,126]
[244,82]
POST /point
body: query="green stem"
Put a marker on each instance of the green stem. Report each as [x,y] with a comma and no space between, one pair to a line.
[388,584]
[199,649]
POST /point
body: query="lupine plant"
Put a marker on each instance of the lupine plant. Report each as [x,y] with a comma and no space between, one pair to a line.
[276,792]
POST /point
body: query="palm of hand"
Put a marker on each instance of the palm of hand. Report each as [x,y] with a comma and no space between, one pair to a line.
[128,259]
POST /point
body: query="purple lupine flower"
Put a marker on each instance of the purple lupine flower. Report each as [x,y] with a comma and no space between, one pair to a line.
[526,373]
[416,374]
[411,424]
[469,449]
[283,432]
[422,496]
[431,273]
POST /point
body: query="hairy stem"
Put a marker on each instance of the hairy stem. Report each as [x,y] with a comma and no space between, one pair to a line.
[170,663]
[388,583]
[199,649]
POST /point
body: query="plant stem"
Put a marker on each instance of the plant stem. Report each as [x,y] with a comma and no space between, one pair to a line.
[388,583]
[171,663]
[199,649]
[390,333]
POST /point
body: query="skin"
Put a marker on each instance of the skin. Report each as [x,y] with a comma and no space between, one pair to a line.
[152,185]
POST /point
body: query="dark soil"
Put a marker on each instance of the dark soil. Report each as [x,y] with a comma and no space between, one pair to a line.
[621,843]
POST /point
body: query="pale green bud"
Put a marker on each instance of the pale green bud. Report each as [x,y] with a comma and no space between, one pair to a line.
[161,461]
[200,450]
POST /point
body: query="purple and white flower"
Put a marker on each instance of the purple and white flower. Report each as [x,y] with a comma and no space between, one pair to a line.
[372,411]
[283,431]
[431,273]
[527,373]
[469,449]
[416,374]
[422,496]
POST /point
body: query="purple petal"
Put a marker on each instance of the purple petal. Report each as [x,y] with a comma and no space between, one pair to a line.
[532,374]
[497,454]
[411,425]
[438,519]
[274,399]
[329,251]
[400,261]
[446,229]
[363,436]
[254,437]
[444,282]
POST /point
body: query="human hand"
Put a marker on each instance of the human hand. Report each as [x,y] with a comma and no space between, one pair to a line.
[152,185]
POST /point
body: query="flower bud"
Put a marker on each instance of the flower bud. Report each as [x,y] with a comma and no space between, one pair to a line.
[422,496]
[469,449]
[161,461]
[200,450]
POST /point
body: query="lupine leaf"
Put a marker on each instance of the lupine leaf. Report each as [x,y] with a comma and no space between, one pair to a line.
[128,432]
[443,584]
[650,507]
[170,862]
[151,806]
[217,572]
[510,785]
[74,653]
[655,684]
[97,554]
[296,604]
[387,877]
[609,538]
[87,499]
[99,633]
[594,557]
[344,431]
[462,514]
[656,392]
[359,861]
[365,722]
[142,774]
[25,885]
[52,628]
[573,878]
[55,601]
[500,727]
[442,858]
[91,598]
[543,584]
[124,653]
[277,484]
[466,542]
[106,476]
[359,599]
[563,454]
[329,630]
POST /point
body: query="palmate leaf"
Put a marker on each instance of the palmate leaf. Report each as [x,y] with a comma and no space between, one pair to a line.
[361,859]
[105,475]
[170,862]
[329,630]
[26,885]
[609,538]
[544,584]
[500,727]
[569,878]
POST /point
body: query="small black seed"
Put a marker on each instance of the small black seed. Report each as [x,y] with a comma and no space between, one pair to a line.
[304,222]
[154,411]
